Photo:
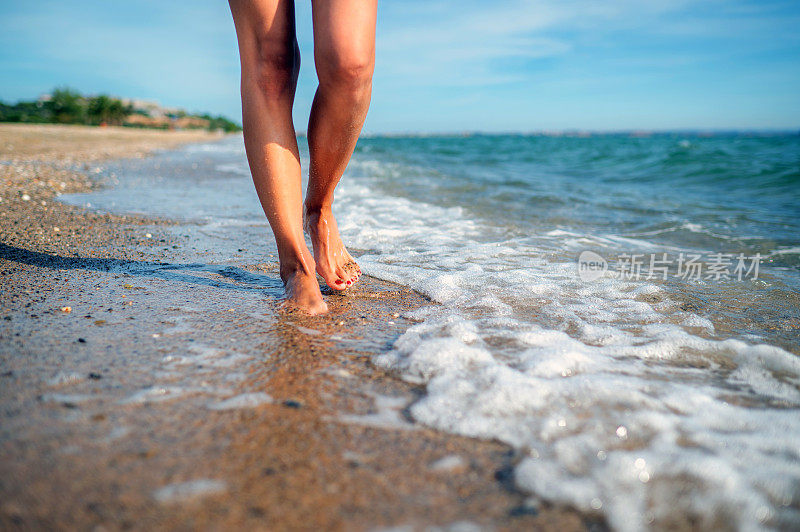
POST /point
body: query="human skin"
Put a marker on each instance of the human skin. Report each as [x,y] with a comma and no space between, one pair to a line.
[344,56]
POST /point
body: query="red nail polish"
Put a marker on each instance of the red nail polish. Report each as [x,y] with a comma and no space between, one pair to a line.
[338,281]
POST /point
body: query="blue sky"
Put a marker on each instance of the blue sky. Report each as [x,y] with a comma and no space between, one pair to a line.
[445,65]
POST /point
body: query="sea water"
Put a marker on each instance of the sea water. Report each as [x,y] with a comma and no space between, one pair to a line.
[623,310]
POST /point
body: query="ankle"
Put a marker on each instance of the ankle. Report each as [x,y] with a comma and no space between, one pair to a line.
[317,207]
[292,264]
[290,271]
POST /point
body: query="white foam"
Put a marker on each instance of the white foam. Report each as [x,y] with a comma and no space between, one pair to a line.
[205,356]
[71,398]
[458,526]
[116,434]
[232,145]
[155,394]
[623,407]
[233,168]
[451,462]
[245,400]
[787,251]
[63,379]
[182,324]
[386,415]
[189,491]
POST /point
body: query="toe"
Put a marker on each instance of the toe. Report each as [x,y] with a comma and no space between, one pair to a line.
[337,283]
[345,276]
[333,279]
[352,267]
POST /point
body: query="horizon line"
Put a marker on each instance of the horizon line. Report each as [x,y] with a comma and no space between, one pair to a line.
[577,132]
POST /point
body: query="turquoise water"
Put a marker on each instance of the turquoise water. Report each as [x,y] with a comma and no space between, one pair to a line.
[739,193]
[656,395]
[615,194]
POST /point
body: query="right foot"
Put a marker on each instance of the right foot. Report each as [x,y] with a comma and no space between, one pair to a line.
[302,290]
[333,262]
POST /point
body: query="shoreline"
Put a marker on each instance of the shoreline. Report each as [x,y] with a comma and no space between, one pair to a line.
[122,412]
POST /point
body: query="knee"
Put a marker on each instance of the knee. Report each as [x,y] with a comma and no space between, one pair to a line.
[275,69]
[350,72]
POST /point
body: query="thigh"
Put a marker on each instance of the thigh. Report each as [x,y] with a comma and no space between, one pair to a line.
[265,29]
[344,34]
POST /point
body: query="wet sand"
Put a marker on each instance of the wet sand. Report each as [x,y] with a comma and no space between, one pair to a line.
[142,387]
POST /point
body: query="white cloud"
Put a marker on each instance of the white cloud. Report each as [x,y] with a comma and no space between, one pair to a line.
[448,42]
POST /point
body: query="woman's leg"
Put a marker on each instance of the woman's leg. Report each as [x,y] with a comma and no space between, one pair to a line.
[270,62]
[344,55]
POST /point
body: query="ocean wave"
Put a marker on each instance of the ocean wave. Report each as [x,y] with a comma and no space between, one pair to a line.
[619,402]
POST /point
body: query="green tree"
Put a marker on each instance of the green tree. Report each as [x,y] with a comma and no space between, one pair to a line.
[99,109]
[103,109]
[67,106]
[117,112]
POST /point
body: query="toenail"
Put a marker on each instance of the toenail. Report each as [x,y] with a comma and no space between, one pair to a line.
[338,281]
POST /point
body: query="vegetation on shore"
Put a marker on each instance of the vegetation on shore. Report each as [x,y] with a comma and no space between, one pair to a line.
[66,106]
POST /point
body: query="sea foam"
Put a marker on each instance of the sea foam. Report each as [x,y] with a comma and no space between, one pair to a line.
[620,402]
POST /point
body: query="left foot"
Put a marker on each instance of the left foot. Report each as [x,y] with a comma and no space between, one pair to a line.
[334,263]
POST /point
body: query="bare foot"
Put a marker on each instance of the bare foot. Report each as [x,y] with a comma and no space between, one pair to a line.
[302,289]
[334,263]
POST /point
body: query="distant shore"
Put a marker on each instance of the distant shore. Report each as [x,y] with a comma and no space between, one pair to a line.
[67,106]
[143,388]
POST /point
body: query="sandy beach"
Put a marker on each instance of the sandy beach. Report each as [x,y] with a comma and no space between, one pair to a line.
[568,238]
[143,388]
